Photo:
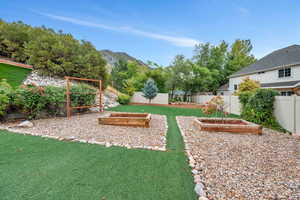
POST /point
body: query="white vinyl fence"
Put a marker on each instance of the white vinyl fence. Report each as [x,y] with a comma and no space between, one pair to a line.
[286,109]
[161,98]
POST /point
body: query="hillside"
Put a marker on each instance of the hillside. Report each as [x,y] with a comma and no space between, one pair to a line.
[114,57]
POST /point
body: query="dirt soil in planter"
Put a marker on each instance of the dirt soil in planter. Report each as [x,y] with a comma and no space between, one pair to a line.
[85,128]
[234,166]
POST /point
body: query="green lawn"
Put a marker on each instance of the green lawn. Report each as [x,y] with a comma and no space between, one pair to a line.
[38,168]
[14,75]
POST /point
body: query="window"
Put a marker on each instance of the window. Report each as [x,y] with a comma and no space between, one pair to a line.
[235,86]
[287,93]
[284,72]
[261,72]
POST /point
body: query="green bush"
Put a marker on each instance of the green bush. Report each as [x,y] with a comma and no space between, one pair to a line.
[34,100]
[55,98]
[258,107]
[30,100]
[5,92]
[123,99]
[82,95]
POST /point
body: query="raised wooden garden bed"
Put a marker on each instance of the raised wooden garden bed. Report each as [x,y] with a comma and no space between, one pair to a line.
[127,119]
[227,125]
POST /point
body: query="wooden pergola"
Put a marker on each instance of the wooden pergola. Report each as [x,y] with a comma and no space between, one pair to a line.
[69,107]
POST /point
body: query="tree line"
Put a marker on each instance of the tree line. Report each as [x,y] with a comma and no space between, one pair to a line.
[56,53]
[206,71]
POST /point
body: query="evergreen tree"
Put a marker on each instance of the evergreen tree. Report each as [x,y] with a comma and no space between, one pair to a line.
[150,90]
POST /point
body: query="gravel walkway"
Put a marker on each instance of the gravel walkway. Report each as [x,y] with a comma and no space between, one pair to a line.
[238,166]
[85,128]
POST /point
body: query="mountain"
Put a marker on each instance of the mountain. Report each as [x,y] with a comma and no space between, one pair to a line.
[114,57]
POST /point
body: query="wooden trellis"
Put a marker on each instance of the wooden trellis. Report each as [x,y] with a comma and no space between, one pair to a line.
[68,93]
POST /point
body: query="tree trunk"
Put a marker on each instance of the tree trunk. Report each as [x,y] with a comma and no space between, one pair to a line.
[172,92]
[184,96]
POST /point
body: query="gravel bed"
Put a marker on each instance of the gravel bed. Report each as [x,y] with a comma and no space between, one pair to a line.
[85,128]
[239,166]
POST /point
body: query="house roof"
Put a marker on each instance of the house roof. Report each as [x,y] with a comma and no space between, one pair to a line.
[287,56]
[287,84]
[224,87]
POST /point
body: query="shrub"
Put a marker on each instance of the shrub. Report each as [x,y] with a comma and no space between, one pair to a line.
[258,107]
[30,100]
[123,99]
[82,94]
[55,100]
[5,92]
[248,85]
[216,104]
[34,100]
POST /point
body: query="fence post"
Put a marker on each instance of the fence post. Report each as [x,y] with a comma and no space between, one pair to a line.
[68,98]
[230,103]
[294,103]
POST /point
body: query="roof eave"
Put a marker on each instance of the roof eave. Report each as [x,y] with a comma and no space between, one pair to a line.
[285,87]
[269,69]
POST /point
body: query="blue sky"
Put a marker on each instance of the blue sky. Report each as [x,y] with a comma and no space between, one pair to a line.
[157,30]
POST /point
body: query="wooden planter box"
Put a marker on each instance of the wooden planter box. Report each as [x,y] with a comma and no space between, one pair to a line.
[227,125]
[127,119]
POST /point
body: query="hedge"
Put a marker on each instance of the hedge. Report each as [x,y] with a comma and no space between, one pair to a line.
[35,101]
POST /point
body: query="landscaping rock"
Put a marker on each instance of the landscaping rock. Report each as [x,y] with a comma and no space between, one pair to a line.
[235,166]
[85,128]
[199,189]
[25,124]
[36,79]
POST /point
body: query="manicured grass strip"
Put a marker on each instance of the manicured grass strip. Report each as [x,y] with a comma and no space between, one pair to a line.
[38,168]
[14,75]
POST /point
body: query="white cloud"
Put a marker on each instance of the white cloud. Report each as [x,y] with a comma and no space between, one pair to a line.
[178,41]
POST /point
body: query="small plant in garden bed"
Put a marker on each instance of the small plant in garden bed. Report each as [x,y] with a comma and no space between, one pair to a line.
[215,106]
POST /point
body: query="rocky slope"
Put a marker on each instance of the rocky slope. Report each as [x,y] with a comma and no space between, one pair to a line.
[112,58]
[109,98]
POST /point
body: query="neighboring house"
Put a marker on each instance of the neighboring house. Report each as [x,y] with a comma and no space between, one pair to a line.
[279,70]
[224,90]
